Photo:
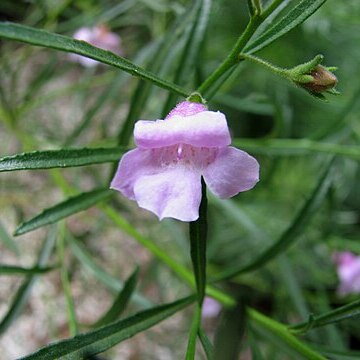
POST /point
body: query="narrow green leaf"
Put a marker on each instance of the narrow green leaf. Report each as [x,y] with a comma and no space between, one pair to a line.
[18,270]
[7,240]
[46,39]
[206,344]
[291,147]
[342,313]
[272,329]
[254,103]
[336,125]
[195,325]
[337,354]
[159,253]
[331,334]
[293,18]
[97,341]
[67,90]
[40,79]
[289,279]
[73,325]
[49,159]
[198,236]
[290,234]
[64,209]
[85,258]
[121,301]
[110,281]
[143,90]
[254,345]
[234,212]
[109,92]
[191,49]
[251,7]
[214,88]
[23,293]
[230,332]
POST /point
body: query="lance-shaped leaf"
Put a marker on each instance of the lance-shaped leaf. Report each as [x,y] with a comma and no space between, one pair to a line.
[120,302]
[279,334]
[24,291]
[161,255]
[64,209]
[59,158]
[165,51]
[291,147]
[18,270]
[230,332]
[8,241]
[191,50]
[47,39]
[289,236]
[206,344]
[293,18]
[97,341]
[344,312]
[193,333]
[198,237]
[88,262]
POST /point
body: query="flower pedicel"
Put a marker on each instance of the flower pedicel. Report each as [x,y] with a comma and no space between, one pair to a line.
[163,174]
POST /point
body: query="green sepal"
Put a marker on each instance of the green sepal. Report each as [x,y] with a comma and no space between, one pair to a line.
[196,97]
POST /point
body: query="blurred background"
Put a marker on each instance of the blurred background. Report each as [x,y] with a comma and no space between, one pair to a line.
[50,101]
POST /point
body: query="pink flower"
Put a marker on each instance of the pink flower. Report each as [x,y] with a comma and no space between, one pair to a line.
[164,173]
[348,270]
[99,36]
[211,308]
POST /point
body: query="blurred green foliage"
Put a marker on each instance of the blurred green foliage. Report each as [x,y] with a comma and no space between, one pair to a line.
[47,102]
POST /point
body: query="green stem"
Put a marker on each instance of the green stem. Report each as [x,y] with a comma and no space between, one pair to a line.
[270,9]
[258,6]
[73,326]
[233,57]
[282,332]
[195,325]
[182,272]
[276,70]
[206,344]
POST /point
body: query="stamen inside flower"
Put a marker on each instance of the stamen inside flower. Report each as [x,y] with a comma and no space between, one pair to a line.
[179,151]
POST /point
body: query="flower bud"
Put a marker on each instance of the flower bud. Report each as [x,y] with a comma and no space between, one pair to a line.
[322,80]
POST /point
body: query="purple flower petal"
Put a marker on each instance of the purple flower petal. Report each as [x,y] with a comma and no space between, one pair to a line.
[206,128]
[99,36]
[232,171]
[211,308]
[348,270]
[175,192]
[186,108]
[163,175]
[132,166]
[84,34]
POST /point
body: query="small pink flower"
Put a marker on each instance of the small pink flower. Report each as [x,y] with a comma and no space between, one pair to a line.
[164,173]
[348,270]
[211,308]
[99,36]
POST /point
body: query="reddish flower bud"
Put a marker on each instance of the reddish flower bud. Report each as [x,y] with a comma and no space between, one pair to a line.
[323,80]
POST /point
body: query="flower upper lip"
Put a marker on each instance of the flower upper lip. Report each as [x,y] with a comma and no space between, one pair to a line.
[207,128]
